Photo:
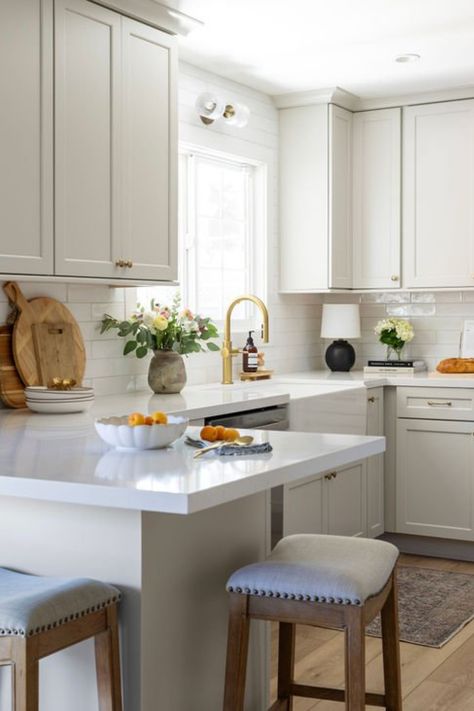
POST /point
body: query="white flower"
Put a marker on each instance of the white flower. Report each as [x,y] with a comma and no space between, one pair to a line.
[403,329]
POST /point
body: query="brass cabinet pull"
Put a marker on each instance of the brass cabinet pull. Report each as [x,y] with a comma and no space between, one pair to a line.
[119,263]
[371,399]
[129,263]
[331,475]
[124,263]
[394,277]
[432,403]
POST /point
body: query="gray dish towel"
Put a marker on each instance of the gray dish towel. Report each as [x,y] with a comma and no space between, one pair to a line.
[234,450]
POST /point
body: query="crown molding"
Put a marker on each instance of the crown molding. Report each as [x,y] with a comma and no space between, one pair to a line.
[428,97]
[336,95]
[155,13]
[331,95]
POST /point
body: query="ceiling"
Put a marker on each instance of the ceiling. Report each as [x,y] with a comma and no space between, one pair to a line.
[280,46]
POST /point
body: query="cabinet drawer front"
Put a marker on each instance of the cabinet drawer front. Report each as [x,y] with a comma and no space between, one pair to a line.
[436,403]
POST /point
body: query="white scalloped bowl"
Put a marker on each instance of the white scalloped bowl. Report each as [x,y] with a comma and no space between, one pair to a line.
[117,432]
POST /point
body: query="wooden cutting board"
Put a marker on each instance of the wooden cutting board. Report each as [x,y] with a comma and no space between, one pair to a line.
[55,351]
[38,311]
[12,393]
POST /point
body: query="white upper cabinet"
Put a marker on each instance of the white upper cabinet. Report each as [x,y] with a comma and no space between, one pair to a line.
[26,134]
[149,152]
[116,151]
[438,189]
[87,122]
[376,199]
[315,197]
[340,198]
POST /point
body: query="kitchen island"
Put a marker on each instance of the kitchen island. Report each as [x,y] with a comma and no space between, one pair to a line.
[166,529]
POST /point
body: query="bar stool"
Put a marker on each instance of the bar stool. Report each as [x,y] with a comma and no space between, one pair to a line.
[40,616]
[324,581]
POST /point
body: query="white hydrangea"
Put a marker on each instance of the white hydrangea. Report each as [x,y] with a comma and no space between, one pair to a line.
[404,330]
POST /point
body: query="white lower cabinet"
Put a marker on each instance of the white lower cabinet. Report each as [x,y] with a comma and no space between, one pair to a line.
[435,476]
[375,466]
[332,503]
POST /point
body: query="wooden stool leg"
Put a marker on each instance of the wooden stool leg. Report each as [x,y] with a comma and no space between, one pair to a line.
[355,659]
[286,663]
[391,651]
[107,658]
[237,651]
[25,676]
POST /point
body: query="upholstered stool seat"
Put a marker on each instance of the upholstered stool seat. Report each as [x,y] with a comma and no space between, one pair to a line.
[30,604]
[41,615]
[333,569]
[324,581]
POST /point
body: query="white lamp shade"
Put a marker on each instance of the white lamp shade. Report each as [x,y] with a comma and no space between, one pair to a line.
[340,321]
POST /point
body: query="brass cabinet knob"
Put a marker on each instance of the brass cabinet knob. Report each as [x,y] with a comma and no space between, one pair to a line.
[394,277]
[371,399]
[331,475]
[129,263]
[119,263]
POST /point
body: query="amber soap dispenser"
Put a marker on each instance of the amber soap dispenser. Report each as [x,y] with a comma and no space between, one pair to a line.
[250,355]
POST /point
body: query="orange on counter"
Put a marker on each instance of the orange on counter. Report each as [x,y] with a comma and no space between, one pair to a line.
[220,430]
[230,435]
[209,433]
[159,418]
[136,418]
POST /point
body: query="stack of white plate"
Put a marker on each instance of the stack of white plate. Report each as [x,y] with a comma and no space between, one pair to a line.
[42,399]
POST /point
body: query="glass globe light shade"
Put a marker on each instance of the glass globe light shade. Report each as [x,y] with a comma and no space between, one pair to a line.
[209,106]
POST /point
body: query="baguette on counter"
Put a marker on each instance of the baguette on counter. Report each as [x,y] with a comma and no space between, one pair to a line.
[456,365]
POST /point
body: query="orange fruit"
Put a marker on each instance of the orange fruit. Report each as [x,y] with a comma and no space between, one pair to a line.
[136,418]
[159,418]
[220,431]
[148,420]
[209,433]
[230,435]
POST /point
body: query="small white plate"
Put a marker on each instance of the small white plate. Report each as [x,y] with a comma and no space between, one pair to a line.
[41,391]
[59,408]
[117,432]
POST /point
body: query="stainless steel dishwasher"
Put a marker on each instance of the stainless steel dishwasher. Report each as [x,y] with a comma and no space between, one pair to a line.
[263,418]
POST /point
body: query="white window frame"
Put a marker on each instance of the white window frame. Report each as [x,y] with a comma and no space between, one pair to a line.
[257,234]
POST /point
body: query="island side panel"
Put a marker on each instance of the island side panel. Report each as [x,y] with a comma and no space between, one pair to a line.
[186,563]
[78,541]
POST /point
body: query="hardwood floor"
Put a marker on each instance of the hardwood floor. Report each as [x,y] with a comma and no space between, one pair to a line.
[432,679]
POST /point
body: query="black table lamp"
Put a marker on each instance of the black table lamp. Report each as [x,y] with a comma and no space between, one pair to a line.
[340,321]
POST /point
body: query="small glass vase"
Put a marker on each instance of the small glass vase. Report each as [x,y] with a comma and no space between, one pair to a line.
[394,353]
[166,373]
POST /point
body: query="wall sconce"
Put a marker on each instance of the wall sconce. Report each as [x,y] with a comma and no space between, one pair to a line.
[211,108]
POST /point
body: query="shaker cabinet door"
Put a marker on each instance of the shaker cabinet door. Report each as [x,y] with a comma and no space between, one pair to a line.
[87,155]
[376,199]
[149,152]
[375,465]
[435,476]
[438,185]
[346,506]
[26,137]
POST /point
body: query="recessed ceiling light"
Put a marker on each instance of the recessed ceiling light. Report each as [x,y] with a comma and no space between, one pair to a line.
[405,58]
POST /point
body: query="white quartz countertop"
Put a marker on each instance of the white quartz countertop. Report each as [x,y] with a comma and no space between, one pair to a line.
[67,462]
[370,380]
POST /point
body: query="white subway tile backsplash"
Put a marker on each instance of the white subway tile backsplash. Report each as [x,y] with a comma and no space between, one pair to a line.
[410,310]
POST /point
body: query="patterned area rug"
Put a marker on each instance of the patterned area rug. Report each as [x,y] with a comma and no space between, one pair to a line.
[433,605]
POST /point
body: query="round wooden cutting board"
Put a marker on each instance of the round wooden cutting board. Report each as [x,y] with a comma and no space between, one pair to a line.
[37,311]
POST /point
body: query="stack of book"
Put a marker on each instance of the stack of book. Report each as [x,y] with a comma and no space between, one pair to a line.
[395,366]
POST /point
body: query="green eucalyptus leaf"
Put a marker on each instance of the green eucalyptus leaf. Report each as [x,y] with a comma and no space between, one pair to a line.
[213,346]
[141,351]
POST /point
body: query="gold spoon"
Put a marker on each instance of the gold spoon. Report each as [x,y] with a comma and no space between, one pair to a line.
[240,442]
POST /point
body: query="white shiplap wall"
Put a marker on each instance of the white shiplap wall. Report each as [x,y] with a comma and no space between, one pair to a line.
[295,320]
